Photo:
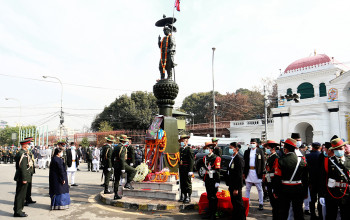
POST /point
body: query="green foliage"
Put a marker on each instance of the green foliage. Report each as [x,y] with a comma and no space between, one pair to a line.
[128,112]
[105,126]
[198,105]
[85,142]
[6,134]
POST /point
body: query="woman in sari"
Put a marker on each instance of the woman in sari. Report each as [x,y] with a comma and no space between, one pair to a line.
[59,190]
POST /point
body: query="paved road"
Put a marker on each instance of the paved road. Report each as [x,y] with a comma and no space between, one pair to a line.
[84,203]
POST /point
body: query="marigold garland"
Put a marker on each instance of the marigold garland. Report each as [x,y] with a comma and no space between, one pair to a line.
[166,52]
[176,158]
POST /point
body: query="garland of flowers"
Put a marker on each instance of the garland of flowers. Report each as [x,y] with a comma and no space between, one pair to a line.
[141,172]
[166,52]
[176,158]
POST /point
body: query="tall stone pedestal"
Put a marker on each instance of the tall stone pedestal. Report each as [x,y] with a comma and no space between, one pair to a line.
[166,91]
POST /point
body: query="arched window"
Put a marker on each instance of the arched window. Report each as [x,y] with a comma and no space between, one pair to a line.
[323,90]
[289,92]
[306,90]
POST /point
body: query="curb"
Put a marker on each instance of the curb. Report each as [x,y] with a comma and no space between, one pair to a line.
[145,207]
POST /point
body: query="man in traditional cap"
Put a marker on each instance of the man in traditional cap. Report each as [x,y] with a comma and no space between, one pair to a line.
[107,151]
[290,181]
[29,199]
[212,165]
[217,149]
[72,163]
[235,181]
[253,170]
[121,167]
[24,169]
[185,169]
[335,181]
[271,161]
[313,163]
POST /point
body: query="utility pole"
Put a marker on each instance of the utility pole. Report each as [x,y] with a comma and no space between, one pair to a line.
[214,105]
[265,108]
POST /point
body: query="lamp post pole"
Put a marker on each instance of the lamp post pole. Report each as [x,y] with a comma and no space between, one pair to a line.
[212,65]
[20,118]
[61,115]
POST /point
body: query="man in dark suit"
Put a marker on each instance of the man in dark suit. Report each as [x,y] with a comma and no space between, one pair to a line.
[253,170]
[313,162]
[72,163]
[235,182]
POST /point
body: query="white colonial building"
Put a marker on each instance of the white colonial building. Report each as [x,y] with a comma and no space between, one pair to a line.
[323,85]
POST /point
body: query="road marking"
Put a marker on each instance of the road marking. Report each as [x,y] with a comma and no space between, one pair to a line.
[94,203]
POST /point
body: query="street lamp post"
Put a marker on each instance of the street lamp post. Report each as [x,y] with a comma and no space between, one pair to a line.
[61,115]
[214,105]
[20,118]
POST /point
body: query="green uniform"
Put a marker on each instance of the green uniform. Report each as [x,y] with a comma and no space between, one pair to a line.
[0,155]
[218,151]
[130,160]
[107,163]
[11,155]
[24,170]
[29,187]
[186,166]
[119,162]
[89,158]
[5,154]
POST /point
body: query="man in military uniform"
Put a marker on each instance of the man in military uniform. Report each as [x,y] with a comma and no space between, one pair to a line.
[120,166]
[11,154]
[272,159]
[29,199]
[235,181]
[212,165]
[217,149]
[107,151]
[290,182]
[335,179]
[24,170]
[130,153]
[89,158]
[185,169]
[5,155]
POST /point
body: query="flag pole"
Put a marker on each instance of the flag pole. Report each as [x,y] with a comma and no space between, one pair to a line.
[172,27]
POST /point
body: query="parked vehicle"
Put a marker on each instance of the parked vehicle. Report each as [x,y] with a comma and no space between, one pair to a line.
[225,160]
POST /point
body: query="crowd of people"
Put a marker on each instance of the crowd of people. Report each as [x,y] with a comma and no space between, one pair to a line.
[295,179]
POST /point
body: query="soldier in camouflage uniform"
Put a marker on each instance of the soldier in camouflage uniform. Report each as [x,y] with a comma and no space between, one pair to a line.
[185,169]
[106,155]
[23,176]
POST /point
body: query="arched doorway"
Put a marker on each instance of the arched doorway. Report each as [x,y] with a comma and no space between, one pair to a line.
[306,132]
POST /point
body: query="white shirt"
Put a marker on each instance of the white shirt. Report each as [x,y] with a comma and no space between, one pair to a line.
[73,168]
[252,176]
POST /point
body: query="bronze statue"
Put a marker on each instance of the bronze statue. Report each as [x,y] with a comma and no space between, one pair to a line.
[167,47]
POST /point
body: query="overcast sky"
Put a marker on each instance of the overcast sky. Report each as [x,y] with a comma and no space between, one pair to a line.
[110,47]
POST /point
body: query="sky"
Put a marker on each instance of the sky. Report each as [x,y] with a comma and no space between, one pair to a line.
[102,49]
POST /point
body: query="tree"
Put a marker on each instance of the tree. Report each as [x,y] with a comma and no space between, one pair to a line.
[85,142]
[255,107]
[197,105]
[6,134]
[105,126]
[128,112]
[232,106]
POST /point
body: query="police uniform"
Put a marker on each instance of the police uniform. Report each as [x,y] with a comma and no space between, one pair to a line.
[290,182]
[335,181]
[212,165]
[271,161]
[24,169]
[107,151]
[185,171]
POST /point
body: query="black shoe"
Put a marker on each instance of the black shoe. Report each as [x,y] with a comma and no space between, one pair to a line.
[88,170]
[74,184]
[102,185]
[187,198]
[116,196]
[261,207]
[20,215]
[128,186]
[26,204]
[98,171]
[78,169]
[107,192]
[307,212]
[31,202]
[181,198]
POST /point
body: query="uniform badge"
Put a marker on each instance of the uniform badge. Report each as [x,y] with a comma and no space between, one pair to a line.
[232,165]
[259,157]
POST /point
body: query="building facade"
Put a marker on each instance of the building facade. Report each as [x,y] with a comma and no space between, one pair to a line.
[321,88]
